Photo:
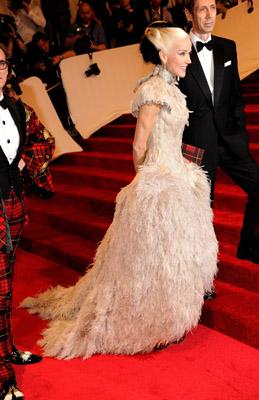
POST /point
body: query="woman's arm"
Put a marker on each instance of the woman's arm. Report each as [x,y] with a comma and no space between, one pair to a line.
[145,123]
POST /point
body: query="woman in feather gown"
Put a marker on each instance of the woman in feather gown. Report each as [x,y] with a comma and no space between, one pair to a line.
[159,255]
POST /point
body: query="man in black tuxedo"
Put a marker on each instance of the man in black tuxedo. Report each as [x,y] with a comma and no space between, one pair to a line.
[217,124]
[12,221]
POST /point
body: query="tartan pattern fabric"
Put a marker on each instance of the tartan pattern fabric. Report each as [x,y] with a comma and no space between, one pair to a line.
[17,219]
[6,369]
[192,153]
[12,216]
[38,150]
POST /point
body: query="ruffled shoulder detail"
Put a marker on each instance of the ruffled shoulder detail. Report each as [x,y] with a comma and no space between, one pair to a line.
[152,89]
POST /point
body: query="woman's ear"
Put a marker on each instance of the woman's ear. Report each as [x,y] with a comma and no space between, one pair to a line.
[188,15]
[163,57]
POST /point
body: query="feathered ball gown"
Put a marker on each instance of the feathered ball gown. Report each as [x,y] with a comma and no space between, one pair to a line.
[157,258]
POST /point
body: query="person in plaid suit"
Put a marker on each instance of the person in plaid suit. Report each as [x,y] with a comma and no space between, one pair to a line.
[12,221]
[38,149]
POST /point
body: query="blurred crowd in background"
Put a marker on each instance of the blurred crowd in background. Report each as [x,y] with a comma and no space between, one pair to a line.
[38,34]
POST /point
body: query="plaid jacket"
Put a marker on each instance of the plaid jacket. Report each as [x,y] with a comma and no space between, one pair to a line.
[38,150]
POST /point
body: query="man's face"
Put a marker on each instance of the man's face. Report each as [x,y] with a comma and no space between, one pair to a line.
[203,16]
[85,13]
[4,71]
[43,45]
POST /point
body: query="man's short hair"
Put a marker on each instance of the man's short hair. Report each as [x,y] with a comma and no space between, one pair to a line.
[189,5]
[39,36]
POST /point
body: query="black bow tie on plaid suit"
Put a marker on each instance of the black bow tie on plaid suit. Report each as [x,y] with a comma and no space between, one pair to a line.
[200,45]
[3,103]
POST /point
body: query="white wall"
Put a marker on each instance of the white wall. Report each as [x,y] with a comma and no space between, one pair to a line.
[97,100]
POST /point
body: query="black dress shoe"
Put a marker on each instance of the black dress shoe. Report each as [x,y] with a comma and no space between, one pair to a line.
[19,357]
[210,295]
[11,391]
[248,253]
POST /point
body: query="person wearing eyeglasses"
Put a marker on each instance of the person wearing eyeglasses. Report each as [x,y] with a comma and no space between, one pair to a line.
[13,219]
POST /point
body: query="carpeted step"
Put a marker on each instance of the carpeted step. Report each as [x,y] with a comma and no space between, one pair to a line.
[223,178]
[82,222]
[109,144]
[234,312]
[252,114]
[250,88]
[254,149]
[125,119]
[251,98]
[251,79]
[241,273]
[93,177]
[229,197]
[227,225]
[98,201]
[93,227]
[117,130]
[88,201]
[124,146]
[127,131]
[61,247]
[253,131]
[111,161]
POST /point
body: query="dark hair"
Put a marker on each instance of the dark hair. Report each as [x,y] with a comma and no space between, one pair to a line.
[39,36]
[88,2]
[149,52]
[189,5]
[4,51]
[147,49]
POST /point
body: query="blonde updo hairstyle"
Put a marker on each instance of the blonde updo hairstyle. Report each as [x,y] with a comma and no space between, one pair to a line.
[159,36]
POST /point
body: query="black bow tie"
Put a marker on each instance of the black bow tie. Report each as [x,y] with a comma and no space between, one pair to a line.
[200,45]
[3,103]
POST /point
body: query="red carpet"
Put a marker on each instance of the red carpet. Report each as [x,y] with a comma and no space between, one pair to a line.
[207,366]
[64,232]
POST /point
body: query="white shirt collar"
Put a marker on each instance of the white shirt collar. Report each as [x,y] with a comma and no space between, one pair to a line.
[156,11]
[1,96]
[195,38]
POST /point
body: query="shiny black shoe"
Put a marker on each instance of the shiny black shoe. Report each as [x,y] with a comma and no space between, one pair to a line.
[11,391]
[248,253]
[19,357]
[210,295]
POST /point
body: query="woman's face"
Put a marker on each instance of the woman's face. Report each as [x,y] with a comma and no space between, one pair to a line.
[177,58]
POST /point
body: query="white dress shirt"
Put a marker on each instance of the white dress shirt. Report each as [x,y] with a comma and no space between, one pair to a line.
[206,59]
[9,135]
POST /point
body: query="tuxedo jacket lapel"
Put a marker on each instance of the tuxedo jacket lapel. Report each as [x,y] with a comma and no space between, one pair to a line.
[197,72]
[218,57]
[18,121]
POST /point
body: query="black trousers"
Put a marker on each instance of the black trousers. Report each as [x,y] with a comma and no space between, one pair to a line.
[245,173]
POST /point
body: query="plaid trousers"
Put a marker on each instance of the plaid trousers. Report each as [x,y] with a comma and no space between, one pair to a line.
[16,219]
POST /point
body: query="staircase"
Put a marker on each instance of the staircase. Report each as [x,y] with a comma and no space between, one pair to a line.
[67,228]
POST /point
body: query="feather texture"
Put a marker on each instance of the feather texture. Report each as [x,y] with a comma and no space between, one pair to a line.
[157,258]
